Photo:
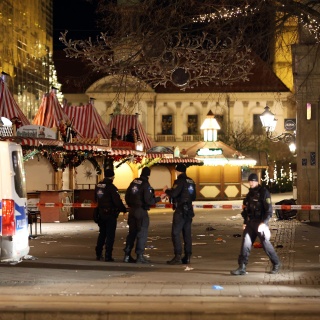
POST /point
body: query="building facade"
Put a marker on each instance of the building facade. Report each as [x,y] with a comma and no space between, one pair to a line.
[26,47]
[172,118]
[307,83]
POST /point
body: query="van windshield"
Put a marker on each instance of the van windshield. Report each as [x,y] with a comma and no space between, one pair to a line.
[19,177]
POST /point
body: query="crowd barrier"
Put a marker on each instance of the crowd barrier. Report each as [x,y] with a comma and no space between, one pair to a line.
[195,206]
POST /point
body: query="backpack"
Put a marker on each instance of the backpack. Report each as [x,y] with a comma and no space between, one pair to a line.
[286,214]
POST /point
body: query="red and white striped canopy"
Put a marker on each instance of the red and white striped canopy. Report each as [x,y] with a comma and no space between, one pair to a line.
[126,152]
[8,106]
[87,121]
[172,160]
[35,142]
[90,147]
[50,112]
[123,123]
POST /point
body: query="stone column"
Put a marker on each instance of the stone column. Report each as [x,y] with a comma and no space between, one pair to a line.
[230,105]
[245,111]
[178,122]
[306,70]
[151,119]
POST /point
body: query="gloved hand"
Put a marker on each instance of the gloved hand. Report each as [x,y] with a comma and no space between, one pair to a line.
[264,230]
[262,227]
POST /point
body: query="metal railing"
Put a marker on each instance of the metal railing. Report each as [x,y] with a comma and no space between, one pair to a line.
[85,186]
[52,186]
[166,137]
[191,137]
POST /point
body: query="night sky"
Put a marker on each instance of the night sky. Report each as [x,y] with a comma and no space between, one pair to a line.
[76,16]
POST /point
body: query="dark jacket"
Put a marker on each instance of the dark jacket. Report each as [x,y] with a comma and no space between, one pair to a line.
[140,194]
[108,198]
[182,193]
[258,205]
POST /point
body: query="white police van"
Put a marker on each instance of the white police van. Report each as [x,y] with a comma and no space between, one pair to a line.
[14,235]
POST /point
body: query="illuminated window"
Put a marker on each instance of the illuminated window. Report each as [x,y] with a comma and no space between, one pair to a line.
[193,127]
[166,124]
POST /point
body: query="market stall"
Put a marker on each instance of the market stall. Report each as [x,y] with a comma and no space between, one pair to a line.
[124,127]
[86,120]
[50,113]
[8,106]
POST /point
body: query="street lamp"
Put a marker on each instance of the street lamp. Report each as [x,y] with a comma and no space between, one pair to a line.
[269,123]
[210,127]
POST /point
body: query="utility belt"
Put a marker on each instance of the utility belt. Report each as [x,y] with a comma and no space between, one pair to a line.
[254,218]
[108,211]
[176,205]
[102,213]
[137,206]
[185,209]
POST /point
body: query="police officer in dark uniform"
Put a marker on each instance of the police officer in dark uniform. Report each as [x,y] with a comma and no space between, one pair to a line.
[182,193]
[109,207]
[139,197]
[256,214]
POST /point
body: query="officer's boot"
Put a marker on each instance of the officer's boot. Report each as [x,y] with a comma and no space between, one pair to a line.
[186,259]
[240,271]
[128,258]
[275,268]
[175,260]
[141,259]
[127,255]
[98,254]
[108,257]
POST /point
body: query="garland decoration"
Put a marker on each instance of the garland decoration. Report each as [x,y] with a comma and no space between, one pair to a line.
[149,163]
[95,165]
[60,158]
[30,155]
[123,161]
[137,159]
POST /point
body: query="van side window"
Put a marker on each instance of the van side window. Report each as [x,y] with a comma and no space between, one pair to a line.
[19,177]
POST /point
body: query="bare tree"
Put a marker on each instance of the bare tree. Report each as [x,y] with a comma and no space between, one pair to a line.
[240,137]
[188,42]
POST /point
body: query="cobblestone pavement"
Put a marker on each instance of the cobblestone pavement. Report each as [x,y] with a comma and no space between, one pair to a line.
[62,266]
[64,261]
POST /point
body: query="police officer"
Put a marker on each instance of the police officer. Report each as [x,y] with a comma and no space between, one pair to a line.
[109,207]
[256,214]
[139,197]
[182,193]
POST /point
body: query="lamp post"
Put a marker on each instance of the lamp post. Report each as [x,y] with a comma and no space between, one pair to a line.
[269,123]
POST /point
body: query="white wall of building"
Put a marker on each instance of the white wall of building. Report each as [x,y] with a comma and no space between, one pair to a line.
[66,179]
[237,107]
[85,174]
[39,174]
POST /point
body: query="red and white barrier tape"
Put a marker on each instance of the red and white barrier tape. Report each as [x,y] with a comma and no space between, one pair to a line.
[195,206]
